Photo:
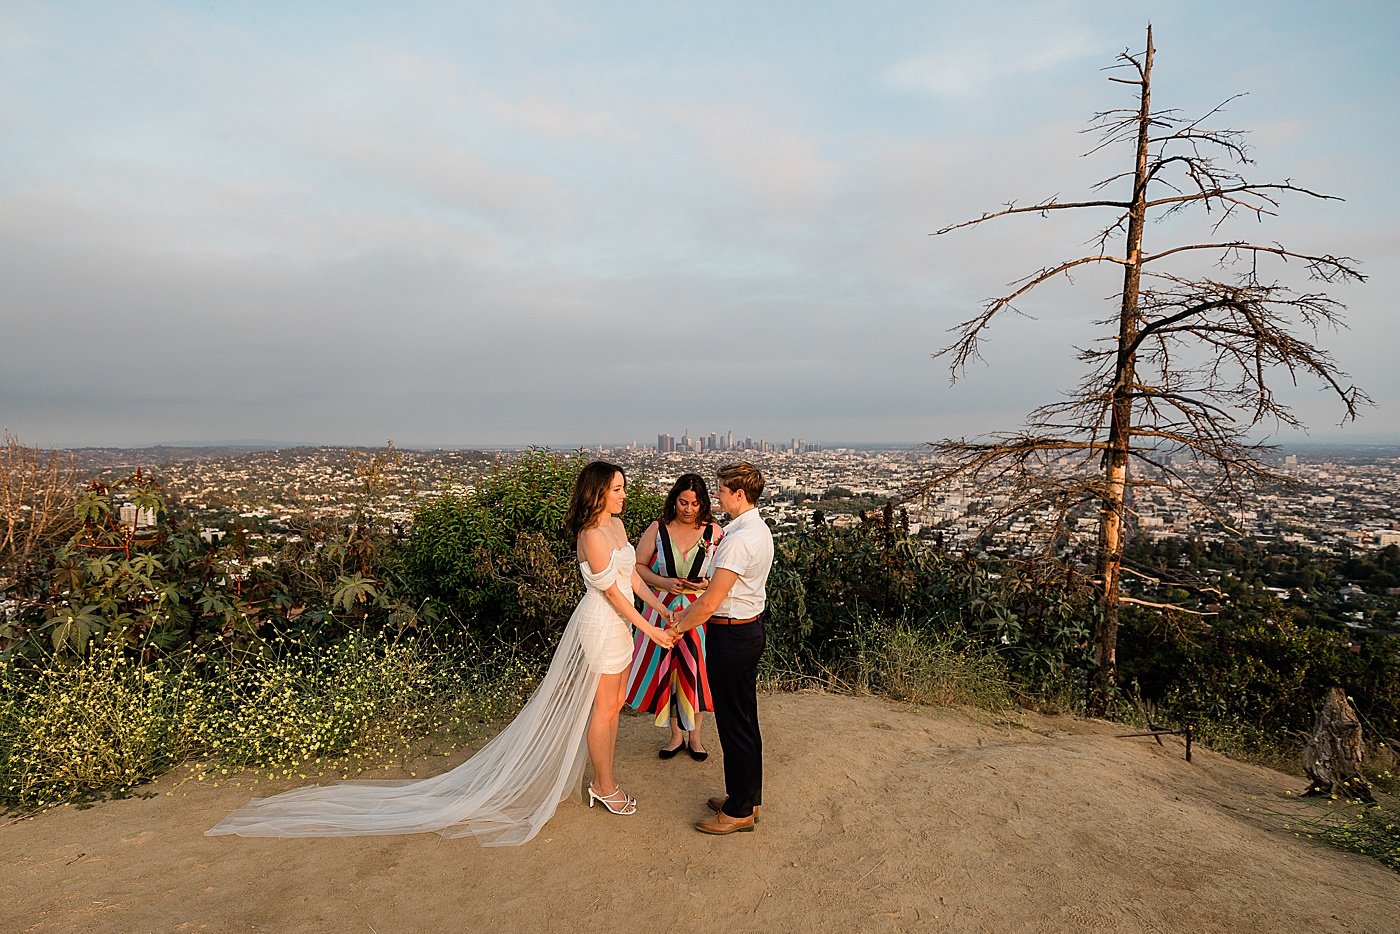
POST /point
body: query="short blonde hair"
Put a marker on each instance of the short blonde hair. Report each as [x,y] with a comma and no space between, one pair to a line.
[743,476]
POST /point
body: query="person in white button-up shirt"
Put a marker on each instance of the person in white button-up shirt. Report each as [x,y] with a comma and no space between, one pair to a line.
[747,550]
[733,606]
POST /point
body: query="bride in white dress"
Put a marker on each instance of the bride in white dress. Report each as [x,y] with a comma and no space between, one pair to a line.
[507,791]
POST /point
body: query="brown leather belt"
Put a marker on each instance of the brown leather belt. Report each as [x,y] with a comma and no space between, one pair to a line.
[728,621]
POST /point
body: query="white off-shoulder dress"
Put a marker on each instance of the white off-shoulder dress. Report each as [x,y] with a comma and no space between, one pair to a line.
[507,791]
[606,636]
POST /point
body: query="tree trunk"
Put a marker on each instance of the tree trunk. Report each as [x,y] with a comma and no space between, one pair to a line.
[1332,757]
[1112,511]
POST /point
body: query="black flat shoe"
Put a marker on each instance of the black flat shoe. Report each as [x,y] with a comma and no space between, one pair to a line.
[698,756]
[668,753]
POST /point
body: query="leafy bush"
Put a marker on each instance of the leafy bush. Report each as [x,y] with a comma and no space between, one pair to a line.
[498,556]
[162,590]
[357,699]
[102,724]
[107,722]
[825,581]
[1256,672]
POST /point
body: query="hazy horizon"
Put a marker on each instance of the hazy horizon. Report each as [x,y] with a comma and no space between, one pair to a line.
[265,445]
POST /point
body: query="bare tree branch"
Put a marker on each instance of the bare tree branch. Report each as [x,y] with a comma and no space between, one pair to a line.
[1042,208]
[1164,606]
[1326,267]
[37,491]
[964,349]
[1249,189]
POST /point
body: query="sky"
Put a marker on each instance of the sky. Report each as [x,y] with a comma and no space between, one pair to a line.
[488,224]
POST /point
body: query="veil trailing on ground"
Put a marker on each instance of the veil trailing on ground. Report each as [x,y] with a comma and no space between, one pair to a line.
[503,795]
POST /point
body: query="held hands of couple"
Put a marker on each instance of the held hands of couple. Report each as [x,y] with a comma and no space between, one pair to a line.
[663,635]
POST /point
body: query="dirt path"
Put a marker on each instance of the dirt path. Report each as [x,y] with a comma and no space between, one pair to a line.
[879,817]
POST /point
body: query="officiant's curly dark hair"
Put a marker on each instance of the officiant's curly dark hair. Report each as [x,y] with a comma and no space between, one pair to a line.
[590,494]
[695,484]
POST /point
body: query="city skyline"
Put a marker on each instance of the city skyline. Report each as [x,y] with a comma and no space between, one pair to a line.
[1344,499]
[474,225]
[714,441]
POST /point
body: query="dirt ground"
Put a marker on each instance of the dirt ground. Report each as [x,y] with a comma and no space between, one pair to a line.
[878,817]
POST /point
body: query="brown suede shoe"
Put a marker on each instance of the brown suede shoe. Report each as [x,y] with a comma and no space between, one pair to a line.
[717,802]
[721,823]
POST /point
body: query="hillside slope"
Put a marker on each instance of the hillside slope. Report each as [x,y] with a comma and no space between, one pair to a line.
[879,817]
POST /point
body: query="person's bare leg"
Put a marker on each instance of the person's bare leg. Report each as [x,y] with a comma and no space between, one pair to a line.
[621,702]
[695,734]
[677,734]
[602,730]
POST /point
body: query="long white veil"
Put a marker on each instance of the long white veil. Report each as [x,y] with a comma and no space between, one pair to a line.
[503,795]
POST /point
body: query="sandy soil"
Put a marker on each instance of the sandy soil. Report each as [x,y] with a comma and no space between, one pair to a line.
[879,817]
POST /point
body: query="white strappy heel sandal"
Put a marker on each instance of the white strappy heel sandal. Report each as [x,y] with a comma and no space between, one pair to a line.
[628,805]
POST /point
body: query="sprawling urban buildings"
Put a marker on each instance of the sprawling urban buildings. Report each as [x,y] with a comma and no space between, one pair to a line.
[1344,497]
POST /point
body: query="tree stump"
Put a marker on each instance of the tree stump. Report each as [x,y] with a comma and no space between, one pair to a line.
[1332,757]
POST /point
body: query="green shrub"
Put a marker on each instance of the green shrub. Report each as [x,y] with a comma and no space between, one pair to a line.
[1254,675]
[100,724]
[311,704]
[163,591]
[357,697]
[106,723]
[825,581]
[498,556]
[913,664]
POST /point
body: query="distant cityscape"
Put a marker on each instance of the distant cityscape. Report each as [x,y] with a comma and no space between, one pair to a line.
[667,444]
[1346,498]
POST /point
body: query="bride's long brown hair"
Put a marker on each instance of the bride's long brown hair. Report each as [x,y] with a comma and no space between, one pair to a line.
[590,495]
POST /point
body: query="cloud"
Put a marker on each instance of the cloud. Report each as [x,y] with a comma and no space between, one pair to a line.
[762,155]
[484,232]
[969,69]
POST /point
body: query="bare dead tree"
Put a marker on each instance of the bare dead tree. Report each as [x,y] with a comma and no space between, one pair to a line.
[1186,367]
[37,492]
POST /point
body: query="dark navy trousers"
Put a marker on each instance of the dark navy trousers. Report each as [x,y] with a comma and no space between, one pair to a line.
[731,659]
